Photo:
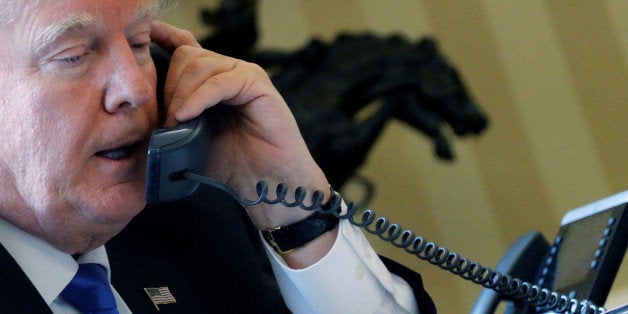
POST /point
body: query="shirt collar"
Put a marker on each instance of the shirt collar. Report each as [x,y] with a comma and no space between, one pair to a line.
[49,269]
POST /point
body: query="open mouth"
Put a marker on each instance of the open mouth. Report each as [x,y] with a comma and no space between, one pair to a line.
[119,153]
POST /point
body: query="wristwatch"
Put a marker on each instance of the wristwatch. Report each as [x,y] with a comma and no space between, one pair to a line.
[286,238]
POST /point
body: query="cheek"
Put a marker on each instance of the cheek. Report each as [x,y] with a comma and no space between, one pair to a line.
[37,144]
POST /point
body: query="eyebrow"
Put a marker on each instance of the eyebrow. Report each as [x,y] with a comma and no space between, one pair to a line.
[69,23]
[146,12]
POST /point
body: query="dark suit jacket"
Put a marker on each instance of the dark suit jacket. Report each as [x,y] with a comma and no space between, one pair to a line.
[203,249]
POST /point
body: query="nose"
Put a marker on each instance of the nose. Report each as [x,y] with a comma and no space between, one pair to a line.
[131,84]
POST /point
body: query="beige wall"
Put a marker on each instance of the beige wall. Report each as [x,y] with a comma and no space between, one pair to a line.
[552,76]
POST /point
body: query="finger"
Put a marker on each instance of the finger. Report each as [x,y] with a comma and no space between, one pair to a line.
[170,38]
[189,74]
[183,58]
[242,85]
[215,89]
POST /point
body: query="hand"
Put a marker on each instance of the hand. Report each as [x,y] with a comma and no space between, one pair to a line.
[258,138]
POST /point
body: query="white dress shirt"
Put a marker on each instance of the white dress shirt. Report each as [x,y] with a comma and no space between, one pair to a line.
[49,269]
[349,279]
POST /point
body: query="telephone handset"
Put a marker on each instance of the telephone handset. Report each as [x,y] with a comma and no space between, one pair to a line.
[177,155]
[171,151]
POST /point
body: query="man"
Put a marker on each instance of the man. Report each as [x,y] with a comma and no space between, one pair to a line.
[78,110]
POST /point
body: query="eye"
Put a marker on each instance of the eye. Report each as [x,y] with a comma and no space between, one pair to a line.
[70,60]
[140,42]
[72,57]
[140,46]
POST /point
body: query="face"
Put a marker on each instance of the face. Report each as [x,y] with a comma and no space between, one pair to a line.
[77,109]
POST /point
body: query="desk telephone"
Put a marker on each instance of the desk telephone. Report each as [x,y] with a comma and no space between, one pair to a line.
[575,272]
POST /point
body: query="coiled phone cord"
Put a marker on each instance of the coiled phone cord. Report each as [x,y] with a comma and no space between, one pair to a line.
[542,298]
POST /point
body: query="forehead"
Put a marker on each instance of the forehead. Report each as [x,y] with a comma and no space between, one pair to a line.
[43,21]
[56,9]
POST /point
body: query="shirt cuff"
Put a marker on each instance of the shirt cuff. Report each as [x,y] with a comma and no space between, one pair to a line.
[350,278]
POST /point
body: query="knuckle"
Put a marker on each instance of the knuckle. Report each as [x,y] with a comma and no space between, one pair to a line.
[196,65]
[253,69]
[187,36]
[256,68]
[181,52]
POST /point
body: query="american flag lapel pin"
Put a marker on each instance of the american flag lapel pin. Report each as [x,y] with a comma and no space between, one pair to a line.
[160,296]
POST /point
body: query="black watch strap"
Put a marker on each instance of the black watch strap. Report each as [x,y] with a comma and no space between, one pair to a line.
[286,238]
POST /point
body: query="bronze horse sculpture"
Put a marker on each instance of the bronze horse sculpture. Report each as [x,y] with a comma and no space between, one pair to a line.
[329,85]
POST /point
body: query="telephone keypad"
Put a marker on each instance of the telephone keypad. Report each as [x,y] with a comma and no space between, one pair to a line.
[603,242]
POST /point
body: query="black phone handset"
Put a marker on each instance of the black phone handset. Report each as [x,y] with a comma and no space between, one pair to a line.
[177,155]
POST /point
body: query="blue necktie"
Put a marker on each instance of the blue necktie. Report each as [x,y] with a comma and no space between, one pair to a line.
[89,290]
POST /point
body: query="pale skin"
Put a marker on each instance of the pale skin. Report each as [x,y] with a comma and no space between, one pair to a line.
[82,106]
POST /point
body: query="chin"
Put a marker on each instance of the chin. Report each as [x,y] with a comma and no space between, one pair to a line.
[122,208]
[115,205]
